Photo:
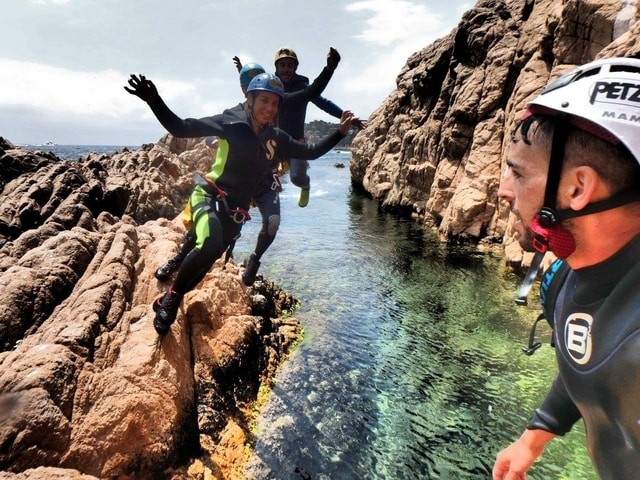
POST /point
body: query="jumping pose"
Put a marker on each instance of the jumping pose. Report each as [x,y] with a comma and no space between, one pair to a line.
[267,198]
[292,115]
[220,200]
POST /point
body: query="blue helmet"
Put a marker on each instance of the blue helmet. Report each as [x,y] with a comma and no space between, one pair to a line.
[267,82]
[248,71]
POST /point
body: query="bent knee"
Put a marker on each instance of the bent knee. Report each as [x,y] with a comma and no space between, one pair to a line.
[273,225]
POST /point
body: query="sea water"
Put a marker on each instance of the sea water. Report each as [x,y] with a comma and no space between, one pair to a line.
[411,365]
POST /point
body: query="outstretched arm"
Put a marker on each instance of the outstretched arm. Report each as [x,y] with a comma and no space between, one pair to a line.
[143,88]
[311,151]
[335,111]
[319,84]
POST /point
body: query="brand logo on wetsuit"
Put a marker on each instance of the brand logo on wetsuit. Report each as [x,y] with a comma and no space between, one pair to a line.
[577,337]
[270,147]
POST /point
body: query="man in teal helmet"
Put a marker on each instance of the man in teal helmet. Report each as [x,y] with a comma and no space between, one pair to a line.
[247,72]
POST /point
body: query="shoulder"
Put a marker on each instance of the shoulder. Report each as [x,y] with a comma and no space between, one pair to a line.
[235,114]
[298,82]
[552,280]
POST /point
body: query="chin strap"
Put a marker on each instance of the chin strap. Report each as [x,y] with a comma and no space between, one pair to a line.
[614,201]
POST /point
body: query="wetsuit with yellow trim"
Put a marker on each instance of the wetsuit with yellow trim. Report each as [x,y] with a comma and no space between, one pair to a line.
[596,324]
[267,198]
[242,162]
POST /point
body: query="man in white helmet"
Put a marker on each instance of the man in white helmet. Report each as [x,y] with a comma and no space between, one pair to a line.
[573,184]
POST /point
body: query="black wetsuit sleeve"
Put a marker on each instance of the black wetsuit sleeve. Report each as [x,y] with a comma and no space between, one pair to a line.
[327,105]
[557,413]
[311,151]
[312,91]
[188,127]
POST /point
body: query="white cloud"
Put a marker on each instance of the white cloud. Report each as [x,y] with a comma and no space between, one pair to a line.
[402,28]
[396,21]
[76,92]
[64,63]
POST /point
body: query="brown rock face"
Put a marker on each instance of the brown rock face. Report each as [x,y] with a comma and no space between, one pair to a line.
[87,388]
[436,145]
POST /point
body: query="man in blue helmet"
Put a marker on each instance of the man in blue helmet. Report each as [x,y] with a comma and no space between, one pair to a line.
[573,184]
[221,199]
[292,116]
[267,198]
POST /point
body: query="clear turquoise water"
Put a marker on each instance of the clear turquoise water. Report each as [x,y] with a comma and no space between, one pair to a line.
[411,365]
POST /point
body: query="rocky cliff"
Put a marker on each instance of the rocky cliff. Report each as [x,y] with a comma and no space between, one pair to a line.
[87,388]
[436,146]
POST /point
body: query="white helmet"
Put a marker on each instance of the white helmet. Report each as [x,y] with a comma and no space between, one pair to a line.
[605,93]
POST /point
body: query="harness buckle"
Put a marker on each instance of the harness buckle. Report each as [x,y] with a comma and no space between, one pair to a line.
[239,215]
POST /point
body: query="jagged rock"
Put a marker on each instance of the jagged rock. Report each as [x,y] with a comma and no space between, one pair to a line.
[87,388]
[437,143]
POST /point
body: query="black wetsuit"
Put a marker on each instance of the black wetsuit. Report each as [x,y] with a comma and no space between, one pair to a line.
[597,339]
[291,119]
[242,162]
[267,198]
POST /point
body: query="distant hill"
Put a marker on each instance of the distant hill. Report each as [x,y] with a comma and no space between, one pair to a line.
[318,129]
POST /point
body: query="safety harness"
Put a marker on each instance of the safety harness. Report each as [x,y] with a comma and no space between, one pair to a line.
[550,286]
[220,204]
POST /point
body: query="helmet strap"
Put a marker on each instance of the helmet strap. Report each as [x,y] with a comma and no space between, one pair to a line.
[549,234]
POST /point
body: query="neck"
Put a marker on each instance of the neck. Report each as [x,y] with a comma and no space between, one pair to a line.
[600,236]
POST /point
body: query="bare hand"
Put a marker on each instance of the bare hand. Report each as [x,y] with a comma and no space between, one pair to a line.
[346,121]
[237,62]
[513,462]
[333,59]
[143,88]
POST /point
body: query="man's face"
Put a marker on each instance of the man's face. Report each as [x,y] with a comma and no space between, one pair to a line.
[523,185]
[286,69]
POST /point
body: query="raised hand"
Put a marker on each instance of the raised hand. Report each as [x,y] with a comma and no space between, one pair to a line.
[333,59]
[143,88]
[346,121]
[237,63]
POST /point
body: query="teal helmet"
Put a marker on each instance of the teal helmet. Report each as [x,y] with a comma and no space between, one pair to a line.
[248,71]
[266,82]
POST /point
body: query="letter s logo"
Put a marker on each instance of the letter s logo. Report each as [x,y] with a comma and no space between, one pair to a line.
[271,149]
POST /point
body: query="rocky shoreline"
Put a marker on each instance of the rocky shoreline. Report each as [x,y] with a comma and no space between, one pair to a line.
[87,388]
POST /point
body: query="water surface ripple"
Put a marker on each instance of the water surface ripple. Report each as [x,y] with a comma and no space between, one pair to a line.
[411,364]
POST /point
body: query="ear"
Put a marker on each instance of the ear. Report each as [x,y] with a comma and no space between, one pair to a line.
[585,187]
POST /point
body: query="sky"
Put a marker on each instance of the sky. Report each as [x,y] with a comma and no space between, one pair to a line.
[64,63]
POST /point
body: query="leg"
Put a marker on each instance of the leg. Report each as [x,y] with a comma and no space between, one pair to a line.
[298,176]
[269,204]
[165,270]
[212,236]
